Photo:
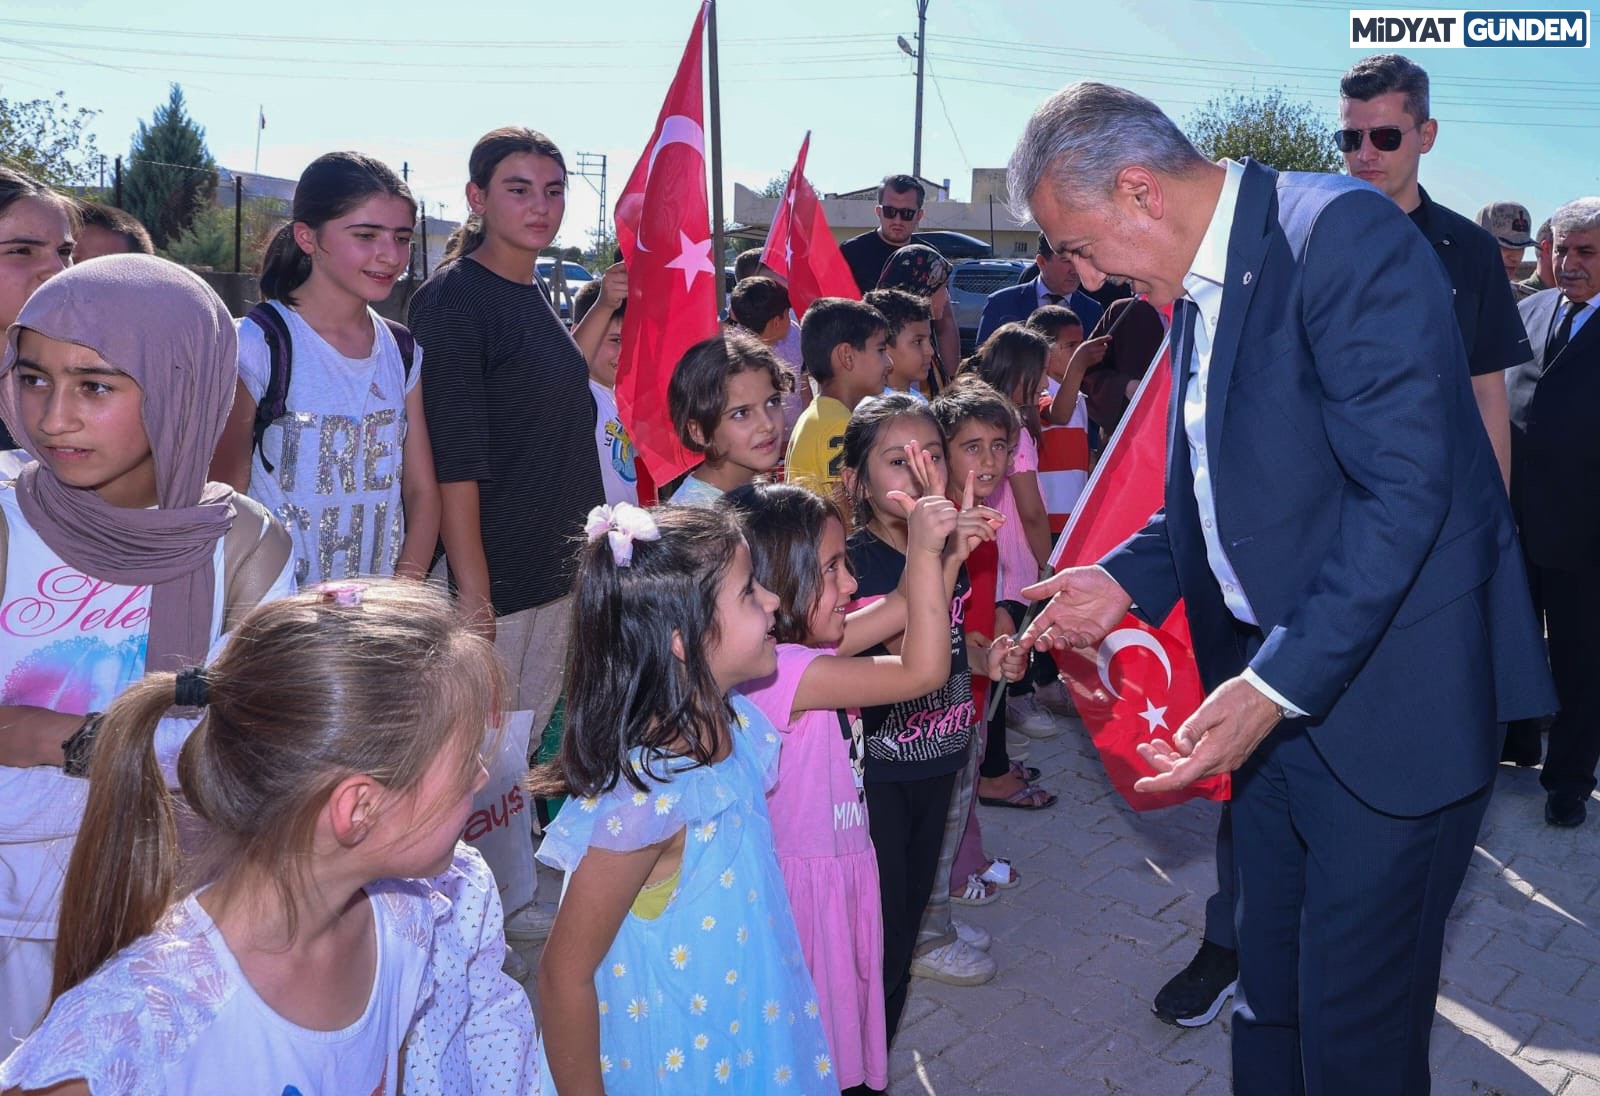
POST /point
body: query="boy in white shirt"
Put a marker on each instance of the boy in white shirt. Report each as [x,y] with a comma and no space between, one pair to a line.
[615,449]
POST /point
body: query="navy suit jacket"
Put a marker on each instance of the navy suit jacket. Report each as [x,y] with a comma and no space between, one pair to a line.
[1015,303]
[1555,448]
[1357,499]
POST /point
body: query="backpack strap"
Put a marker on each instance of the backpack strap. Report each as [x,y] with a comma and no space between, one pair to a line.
[274,401]
[404,340]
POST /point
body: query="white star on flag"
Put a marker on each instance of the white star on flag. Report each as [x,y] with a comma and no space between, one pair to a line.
[693,259]
[1156,717]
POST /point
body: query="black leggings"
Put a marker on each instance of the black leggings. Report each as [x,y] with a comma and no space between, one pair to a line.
[907,819]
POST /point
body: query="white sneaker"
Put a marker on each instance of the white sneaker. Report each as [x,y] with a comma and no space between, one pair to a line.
[1055,699]
[516,966]
[957,963]
[1024,714]
[972,935]
[531,923]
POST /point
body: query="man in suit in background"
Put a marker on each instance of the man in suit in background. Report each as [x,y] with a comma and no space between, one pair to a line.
[1555,451]
[1056,283]
[1336,527]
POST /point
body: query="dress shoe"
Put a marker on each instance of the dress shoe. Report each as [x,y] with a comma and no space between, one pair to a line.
[1565,809]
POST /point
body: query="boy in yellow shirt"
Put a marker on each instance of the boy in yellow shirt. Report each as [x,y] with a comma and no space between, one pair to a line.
[845,347]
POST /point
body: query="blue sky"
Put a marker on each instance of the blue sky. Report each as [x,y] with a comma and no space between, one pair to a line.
[420,82]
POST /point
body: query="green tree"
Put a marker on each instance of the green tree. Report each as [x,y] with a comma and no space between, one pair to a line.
[1268,126]
[776,185]
[602,250]
[171,175]
[49,140]
[208,241]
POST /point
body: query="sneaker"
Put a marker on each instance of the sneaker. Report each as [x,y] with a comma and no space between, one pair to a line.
[1024,714]
[957,963]
[531,923]
[1195,996]
[516,966]
[972,935]
[1055,699]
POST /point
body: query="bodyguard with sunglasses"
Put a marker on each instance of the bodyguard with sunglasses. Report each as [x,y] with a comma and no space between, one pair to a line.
[899,211]
[1385,129]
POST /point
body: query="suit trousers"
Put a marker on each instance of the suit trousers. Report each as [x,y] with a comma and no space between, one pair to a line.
[1569,602]
[1341,914]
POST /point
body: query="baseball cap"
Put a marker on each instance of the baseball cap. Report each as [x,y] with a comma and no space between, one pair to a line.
[1507,222]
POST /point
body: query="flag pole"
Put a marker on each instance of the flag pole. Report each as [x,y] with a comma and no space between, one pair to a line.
[718,245]
[261,124]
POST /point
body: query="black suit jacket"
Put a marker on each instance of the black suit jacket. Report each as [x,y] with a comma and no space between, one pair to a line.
[1555,444]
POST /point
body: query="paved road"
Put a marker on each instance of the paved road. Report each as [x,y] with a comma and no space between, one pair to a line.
[1111,904]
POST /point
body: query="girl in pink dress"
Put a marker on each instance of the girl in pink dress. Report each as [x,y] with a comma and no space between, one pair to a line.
[819,816]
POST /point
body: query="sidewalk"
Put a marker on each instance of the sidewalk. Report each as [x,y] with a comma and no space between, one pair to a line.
[1111,905]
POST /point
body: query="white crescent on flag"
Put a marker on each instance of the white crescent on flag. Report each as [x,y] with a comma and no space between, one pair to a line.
[677,129]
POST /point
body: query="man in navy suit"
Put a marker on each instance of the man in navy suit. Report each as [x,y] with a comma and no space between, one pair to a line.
[1057,283]
[1555,448]
[1344,547]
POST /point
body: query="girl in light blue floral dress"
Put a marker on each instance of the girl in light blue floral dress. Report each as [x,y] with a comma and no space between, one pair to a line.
[673,964]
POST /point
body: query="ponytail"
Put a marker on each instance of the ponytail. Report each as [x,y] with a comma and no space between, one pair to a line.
[463,241]
[121,876]
[284,267]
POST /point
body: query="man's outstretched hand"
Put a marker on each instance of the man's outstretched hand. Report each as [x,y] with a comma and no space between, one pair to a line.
[1217,738]
[1085,604]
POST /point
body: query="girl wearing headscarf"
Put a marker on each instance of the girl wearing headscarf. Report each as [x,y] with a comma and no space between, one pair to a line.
[116,556]
[920,270]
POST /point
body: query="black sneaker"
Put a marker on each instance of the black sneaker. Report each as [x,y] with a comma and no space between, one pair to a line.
[1195,996]
[1565,809]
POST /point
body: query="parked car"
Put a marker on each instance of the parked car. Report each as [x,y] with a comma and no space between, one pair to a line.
[971,282]
[954,245]
[574,275]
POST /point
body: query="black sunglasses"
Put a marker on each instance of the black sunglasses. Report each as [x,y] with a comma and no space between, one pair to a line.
[892,212]
[1384,138]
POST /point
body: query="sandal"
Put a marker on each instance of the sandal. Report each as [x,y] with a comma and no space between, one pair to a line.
[1000,873]
[1028,773]
[1026,798]
[977,892]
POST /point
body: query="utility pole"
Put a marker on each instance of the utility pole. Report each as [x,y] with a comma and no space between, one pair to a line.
[238,222]
[591,167]
[117,182]
[921,56]
[411,252]
[922,60]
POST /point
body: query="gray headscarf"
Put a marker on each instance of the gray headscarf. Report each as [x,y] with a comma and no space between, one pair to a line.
[168,331]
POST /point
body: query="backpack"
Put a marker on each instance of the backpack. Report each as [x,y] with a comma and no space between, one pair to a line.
[274,401]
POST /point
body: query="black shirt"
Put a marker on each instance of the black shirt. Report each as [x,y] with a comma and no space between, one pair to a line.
[506,392]
[1486,311]
[866,254]
[928,736]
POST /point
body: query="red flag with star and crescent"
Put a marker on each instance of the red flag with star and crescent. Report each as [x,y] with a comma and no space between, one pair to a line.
[1141,682]
[800,246]
[664,230]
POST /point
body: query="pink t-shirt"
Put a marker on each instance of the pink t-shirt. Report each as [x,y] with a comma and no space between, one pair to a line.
[817,806]
[1018,568]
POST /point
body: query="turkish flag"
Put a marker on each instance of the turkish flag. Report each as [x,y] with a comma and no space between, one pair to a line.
[664,230]
[1141,681]
[800,246]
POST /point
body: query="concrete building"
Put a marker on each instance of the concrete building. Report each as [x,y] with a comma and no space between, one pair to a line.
[851,213]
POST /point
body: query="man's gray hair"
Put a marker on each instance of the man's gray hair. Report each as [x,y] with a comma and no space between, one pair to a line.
[1578,215]
[1083,135]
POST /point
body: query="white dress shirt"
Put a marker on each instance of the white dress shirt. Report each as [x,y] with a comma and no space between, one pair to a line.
[1204,286]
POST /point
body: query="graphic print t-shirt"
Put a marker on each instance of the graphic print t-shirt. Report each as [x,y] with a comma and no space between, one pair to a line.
[336,454]
[614,447]
[928,736]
